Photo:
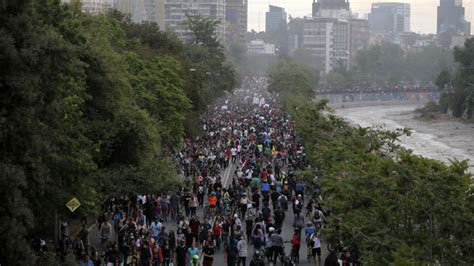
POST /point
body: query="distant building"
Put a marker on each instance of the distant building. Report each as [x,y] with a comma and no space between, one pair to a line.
[236,20]
[328,41]
[390,18]
[95,7]
[339,9]
[260,47]
[359,36]
[275,19]
[451,22]
[143,10]
[176,11]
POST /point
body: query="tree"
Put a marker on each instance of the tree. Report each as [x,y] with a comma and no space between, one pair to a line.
[288,77]
[385,201]
[91,107]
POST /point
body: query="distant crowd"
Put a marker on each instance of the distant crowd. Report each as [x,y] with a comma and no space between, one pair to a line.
[406,87]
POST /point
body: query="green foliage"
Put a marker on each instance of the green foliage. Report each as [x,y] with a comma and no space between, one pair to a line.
[388,63]
[397,208]
[339,77]
[459,99]
[288,77]
[91,106]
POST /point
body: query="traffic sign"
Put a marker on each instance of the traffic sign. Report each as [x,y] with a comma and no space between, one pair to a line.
[73,204]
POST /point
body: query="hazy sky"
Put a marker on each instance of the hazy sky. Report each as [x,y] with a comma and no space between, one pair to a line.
[423,12]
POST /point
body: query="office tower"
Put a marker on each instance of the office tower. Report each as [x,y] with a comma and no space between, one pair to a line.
[95,7]
[359,36]
[390,18]
[451,18]
[236,12]
[339,9]
[275,19]
[176,11]
[328,40]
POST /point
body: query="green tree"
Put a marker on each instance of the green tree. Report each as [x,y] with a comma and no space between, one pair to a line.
[384,200]
[288,77]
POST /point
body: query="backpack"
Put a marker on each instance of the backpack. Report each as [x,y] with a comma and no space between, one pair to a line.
[317,215]
[232,251]
[299,223]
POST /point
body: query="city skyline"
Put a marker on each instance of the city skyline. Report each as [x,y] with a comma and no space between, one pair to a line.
[423,19]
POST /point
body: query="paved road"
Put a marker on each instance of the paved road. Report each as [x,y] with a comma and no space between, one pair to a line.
[287,231]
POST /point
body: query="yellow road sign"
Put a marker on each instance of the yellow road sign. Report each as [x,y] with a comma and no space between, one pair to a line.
[73,204]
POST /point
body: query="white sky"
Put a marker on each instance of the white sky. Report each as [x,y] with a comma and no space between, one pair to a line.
[423,12]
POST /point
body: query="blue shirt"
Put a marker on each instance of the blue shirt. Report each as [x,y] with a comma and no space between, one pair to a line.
[308,231]
[299,187]
[265,187]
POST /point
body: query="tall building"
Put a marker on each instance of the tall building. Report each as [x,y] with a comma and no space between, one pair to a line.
[143,10]
[94,7]
[328,40]
[339,9]
[236,20]
[390,18]
[176,11]
[275,19]
[452,25]
[359,37]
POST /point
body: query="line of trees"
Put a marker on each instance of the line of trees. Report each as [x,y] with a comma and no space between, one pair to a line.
[388,64]
[395,207]
[457,86]
[92,106]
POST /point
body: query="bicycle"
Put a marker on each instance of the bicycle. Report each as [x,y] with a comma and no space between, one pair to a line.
[295,254]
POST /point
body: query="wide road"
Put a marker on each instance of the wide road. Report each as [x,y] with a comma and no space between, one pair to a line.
[287,232]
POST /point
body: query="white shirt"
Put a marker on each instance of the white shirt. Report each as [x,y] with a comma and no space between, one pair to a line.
[317,242]
[242,247]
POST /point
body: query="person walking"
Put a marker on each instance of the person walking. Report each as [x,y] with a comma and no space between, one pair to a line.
[242,250]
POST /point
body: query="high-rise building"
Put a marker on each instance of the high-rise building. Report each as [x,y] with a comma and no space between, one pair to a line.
[339,9]
[176,14]
[328,40]
[95,7]
[143,10]
[275,19]
[390,18]
[359,36]
[236,20]
[451,18]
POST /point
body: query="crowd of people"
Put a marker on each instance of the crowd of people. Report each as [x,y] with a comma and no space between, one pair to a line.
[243,186]
[376,88]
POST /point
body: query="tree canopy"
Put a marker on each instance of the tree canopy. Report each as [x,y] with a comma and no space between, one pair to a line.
[289,77]
[394,207]
[457,88]
[92,106]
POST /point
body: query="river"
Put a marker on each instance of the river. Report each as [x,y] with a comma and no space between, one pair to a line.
[439,139]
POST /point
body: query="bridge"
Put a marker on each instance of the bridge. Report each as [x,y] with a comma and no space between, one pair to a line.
[340,98]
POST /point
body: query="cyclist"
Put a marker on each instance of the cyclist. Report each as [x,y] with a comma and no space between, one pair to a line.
[308,231]
[295,246]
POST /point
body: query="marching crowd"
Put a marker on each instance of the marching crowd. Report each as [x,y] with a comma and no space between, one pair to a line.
[243,186]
